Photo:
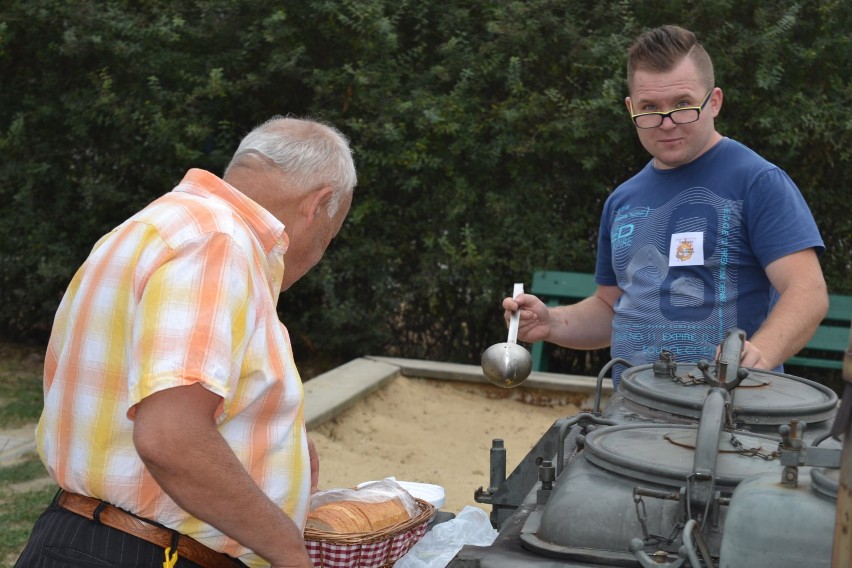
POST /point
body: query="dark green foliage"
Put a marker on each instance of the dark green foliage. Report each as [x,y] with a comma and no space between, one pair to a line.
[487,135]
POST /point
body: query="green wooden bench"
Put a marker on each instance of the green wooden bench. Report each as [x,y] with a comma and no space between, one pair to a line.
[826,348]
[555,289]
[824,351]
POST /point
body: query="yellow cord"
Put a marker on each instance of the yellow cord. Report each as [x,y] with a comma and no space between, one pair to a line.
[170,562]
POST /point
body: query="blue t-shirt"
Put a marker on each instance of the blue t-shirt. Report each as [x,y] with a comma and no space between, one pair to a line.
[688,247]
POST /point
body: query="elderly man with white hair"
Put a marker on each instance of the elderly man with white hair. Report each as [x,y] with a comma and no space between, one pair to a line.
[173,417]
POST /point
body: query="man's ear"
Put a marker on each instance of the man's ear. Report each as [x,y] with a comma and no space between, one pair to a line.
[716,101]
[316,203]
[627,104]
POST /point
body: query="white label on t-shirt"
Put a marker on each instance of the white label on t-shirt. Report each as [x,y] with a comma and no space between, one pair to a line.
[686,249]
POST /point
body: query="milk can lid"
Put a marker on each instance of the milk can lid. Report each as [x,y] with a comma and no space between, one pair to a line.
[764,397]
[665,453]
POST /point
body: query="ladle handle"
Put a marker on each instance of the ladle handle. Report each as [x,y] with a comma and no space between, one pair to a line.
[516,315]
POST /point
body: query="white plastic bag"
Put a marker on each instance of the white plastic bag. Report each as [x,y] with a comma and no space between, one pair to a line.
[442,543]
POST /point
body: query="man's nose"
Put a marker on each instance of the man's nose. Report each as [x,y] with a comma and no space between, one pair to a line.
[670,124]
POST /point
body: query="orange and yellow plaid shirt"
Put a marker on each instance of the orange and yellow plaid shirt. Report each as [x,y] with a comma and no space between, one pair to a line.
[183,292]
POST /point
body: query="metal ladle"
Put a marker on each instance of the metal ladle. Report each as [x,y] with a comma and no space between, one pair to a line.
[508,364]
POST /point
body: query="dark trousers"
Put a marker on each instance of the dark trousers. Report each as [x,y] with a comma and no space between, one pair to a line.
[62,539]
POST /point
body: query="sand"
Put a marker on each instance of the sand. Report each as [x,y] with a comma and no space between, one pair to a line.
[437,432]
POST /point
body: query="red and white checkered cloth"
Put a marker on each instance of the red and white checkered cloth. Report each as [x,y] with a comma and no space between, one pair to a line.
[381,554]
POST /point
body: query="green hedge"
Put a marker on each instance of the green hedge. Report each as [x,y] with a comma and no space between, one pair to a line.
[487,136]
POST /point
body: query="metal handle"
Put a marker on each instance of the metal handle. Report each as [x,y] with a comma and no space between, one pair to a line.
[516,315]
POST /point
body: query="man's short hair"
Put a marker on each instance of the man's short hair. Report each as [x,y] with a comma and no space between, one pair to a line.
[661,49]
[311,154]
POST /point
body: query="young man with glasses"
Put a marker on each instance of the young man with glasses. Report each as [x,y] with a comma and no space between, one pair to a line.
[707,237]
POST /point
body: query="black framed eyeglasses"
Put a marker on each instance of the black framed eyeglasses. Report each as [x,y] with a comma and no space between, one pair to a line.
[683,115]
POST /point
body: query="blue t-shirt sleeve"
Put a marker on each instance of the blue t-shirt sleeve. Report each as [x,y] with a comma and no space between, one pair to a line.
[778,219]
[604,273]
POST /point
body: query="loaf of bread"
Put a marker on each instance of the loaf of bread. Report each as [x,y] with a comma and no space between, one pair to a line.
[350,516]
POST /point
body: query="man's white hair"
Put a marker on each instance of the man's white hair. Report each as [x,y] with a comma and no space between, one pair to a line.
[312,155]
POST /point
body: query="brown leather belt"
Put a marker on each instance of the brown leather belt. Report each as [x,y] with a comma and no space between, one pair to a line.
[116,518]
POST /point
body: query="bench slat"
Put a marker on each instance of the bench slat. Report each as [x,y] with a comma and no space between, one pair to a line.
[839,308]
[830,338]
[813,363]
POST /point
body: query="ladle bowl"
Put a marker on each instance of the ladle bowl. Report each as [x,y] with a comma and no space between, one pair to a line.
[508,364]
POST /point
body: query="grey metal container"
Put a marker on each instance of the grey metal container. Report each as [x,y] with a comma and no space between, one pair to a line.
[770,523]
[761,402]
[583,522]
[675,475]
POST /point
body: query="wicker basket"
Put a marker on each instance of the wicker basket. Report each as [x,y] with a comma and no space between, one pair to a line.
[379,549]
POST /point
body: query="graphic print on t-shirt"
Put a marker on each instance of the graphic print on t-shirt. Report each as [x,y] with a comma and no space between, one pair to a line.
[672,260]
